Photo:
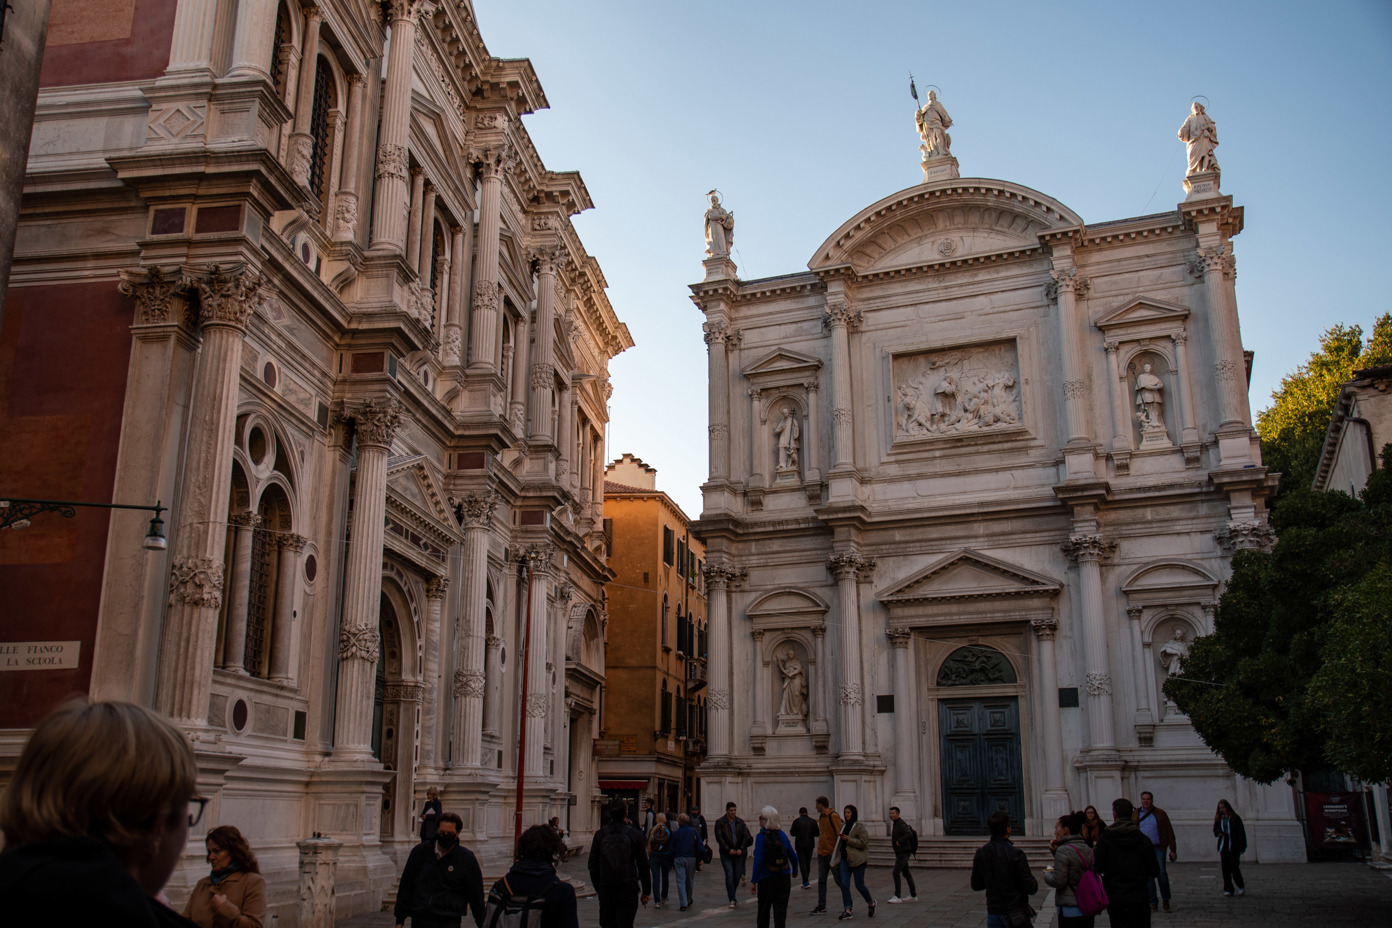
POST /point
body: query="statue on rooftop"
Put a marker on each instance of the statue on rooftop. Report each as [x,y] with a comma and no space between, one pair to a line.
[720,228]
[933,122]
[1200,135]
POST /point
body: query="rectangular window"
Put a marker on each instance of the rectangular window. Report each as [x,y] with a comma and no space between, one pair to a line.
[669,545]
[681,558]
[666,726]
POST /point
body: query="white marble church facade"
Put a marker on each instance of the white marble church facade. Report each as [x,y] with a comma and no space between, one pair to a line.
[973,468]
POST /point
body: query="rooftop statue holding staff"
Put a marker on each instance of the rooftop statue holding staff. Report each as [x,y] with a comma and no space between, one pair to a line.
[933,122]
[720,228]
[1200,135]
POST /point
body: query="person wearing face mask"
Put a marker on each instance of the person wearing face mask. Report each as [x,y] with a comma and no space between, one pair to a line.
[441,881]
[234,894]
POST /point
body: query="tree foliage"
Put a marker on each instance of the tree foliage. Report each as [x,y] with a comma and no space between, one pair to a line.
[1292,428]
[1299,667]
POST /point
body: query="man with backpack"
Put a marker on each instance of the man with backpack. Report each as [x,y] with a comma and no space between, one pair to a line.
[905,841]
[1126,859]
[618,865]
[532,895]
[1001,869]
[733,836]
[828,831]
[441,880]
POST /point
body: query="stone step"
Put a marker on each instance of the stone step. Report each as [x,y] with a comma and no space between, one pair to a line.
[950,852]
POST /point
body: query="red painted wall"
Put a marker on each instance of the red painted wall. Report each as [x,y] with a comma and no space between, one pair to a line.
[96,41]
[64,355]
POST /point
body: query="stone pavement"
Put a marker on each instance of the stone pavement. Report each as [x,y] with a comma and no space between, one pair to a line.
[1278,896]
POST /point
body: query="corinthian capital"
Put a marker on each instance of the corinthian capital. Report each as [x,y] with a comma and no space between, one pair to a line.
[549,258]
[377,422]
[1092,547]
[720,333]
[494,161]
[227,298]
[724,576]
[849,565]
[537,558]
[156,294]
[1067,280]
[436,587]
[840,313]
[1215,259]
[475,510]
[403,10]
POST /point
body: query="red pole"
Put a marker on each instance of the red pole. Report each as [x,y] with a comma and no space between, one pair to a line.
[522,713]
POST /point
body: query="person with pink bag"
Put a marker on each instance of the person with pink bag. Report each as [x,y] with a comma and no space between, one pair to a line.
[1079,895]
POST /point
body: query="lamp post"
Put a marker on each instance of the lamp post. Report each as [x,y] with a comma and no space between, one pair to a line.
[16,513]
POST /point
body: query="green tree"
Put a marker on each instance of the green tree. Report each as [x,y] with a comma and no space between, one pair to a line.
[1287,679]
[1292,428]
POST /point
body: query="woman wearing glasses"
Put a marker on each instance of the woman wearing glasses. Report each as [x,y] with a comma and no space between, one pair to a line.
[234,894]
[95,818]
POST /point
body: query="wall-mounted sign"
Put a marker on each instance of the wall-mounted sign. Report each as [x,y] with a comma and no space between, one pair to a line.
[39,655]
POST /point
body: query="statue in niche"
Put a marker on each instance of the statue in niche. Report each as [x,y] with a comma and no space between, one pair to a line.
[933,122]
[1172,655]
[786,434]
[1150,400]
[1200,135]
[720,228]
[793,706]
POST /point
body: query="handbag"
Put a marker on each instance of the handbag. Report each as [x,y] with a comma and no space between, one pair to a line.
[1092,898]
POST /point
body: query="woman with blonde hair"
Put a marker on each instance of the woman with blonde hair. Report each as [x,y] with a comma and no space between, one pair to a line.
[234,894]
[96,816]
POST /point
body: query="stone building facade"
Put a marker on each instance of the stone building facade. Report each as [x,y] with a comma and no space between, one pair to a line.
[654,718]
[298,272]
[980,470]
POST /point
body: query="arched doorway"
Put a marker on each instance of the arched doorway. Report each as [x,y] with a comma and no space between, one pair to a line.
[396,708]
[979,741]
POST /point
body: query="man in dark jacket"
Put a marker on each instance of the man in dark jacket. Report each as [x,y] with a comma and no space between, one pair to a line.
[1126,859]
[1155,825]
[534,877]
[1001,869]
[901,837]
[804,833]
[618,865]
[698,821]
[733,836]
[441,881]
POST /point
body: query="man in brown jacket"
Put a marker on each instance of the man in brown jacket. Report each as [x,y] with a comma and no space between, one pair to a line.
[828,827]
[1155,825]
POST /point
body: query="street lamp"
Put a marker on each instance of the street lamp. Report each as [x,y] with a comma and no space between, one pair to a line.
[16,513]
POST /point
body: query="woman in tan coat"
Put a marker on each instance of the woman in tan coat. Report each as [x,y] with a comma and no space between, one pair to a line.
[234,894]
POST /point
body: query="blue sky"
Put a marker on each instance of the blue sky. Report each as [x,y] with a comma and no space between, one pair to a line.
[800,114]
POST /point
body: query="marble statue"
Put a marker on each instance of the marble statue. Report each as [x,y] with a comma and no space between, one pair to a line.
[1200,134]
[933,122]
[720,228]
[1150,401]
[786,434]
[1174,651]
[794,702]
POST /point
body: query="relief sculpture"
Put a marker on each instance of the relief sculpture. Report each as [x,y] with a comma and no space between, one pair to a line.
[962,390]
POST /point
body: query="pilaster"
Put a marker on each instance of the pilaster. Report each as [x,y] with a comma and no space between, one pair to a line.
[848,567]
[475,515]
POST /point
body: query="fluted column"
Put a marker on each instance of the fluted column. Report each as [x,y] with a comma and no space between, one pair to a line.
[376,424]
[597,484]
[847,568]
[905,719]
[763,682]
[1138,665]
[251,43]
[452,330]
[1055,791]
[435,590]
[1217,268]
[413,219]
[821,691]
[346,203]
[758,456]
[302,139]
[445,296]
[565,434]
[548,262]
[1121,405]
[839,318]
[521,364]
[1067,287]
[493,686]
[239,592]
[389,195]
[538,561]
[493,165]
[475,514]
[1189,430]
[282,631]
[812,448]
[196,570]
[719,579]
[1088,549]
[425,241]
[720,339]
[191,45]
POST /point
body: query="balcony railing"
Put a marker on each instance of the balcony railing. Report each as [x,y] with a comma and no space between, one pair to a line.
[695,674]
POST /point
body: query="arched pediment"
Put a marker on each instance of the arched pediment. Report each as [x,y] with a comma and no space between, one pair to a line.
[787,602]
[1168,580]
[948,221]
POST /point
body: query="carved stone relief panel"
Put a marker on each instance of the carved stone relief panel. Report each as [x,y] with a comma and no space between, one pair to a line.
[957,391]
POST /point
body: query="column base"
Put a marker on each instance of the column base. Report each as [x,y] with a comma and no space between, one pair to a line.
[1055,804]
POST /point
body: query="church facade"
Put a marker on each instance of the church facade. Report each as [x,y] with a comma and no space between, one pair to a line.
[299,273]
[976,478]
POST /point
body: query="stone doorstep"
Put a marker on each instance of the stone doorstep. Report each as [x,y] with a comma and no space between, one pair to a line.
[939,852]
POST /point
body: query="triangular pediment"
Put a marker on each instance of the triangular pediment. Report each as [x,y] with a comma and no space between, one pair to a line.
[781,361]
[410,480]
[968,574]
[1142,310]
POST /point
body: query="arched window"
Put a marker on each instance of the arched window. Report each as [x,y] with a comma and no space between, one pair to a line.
[325,99]
[666,726]
[281,50]
[975,665]
[664,619]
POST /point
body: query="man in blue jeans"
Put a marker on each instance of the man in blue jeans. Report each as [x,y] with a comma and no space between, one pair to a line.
[733,836]
[1155,825]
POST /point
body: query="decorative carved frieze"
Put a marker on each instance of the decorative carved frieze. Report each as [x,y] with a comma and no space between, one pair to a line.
[155,296]
[404,692]
[358,643]
[475,510]
[850,694]
[543,374]
[485,295]
[228,298]
[346,214]
[1225,370]
[1093,547]
[377,422]
[537,705]
[244,519]
[469,683]
[1067,281]
[1236,536]
[392,161]
[195,581]
[718,699]
[957,391]
[452,346]
[1045,627]
[1075,389]
[841,416]
[301,154]
[1099,684]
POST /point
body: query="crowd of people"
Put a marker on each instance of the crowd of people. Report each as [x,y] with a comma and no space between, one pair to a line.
[97,813]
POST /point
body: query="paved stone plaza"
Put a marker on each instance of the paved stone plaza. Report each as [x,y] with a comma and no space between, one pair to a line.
[1278,896]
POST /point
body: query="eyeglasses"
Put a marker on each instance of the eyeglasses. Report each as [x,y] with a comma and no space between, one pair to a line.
[195,811]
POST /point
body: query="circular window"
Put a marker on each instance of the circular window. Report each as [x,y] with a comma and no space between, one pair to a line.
[311,568]
[257,445]
[304,252]
[239,714]
[268,374]
[502,657]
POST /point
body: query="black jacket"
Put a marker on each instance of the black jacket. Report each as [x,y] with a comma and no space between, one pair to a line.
[1001,869]
[1237,835]
[899,836]
[1126,859]
[76,882]
[803,831]
[642,875]
[439,890]
[735,838]
[534,877]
